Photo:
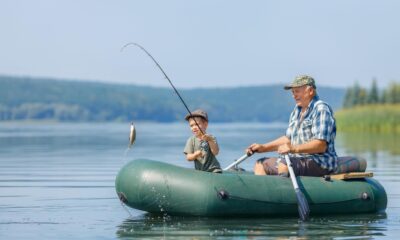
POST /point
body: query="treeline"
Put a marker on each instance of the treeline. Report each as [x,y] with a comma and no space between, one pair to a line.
[358,96]
[62,100]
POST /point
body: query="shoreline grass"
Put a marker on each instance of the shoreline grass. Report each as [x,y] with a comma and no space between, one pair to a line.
[379,118]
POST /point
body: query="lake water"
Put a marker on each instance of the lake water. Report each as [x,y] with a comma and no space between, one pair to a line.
[57,182]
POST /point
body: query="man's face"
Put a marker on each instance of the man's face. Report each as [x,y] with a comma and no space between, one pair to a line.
[302,95]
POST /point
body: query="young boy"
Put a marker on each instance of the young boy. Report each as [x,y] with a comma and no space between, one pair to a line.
[201,147]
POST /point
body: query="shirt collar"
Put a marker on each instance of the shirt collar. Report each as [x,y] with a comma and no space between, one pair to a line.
[313,101]
[309,107]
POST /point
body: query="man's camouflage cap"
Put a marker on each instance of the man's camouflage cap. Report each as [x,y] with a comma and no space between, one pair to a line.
[301,80]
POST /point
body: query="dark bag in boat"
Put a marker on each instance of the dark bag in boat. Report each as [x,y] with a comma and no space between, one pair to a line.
[351,164]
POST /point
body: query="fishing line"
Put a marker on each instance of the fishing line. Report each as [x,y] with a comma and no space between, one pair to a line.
[177,93]
[158,65]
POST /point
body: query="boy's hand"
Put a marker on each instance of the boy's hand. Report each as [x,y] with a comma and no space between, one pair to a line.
[199,153]
[207,137]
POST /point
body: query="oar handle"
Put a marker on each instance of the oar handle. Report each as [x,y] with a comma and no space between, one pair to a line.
[237,161]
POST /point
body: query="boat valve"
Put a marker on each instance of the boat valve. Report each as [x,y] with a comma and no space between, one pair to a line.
[223,195]
[122,197]
[365,196]
[327,178]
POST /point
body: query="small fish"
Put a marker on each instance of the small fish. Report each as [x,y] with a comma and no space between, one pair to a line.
[132,135]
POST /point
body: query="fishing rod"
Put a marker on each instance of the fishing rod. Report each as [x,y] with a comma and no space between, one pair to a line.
[158,65]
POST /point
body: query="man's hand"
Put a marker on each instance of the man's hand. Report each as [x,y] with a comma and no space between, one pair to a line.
[253,148]
[284,148]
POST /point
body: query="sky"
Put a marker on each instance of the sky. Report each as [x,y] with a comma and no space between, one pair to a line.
[207,43]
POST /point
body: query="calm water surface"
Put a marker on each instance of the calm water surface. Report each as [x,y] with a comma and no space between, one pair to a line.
[57,182]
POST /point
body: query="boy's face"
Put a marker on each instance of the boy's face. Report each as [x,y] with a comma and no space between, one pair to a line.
[195,129]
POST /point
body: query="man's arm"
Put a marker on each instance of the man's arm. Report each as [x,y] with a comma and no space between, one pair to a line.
[269,146]
[311,147]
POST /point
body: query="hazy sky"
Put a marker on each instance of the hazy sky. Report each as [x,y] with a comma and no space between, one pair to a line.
[208,43]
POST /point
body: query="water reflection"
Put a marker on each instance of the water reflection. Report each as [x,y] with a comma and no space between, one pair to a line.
[381,151]
[349,226]
[370,142]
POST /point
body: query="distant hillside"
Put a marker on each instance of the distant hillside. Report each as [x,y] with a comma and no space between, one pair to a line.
[49,99]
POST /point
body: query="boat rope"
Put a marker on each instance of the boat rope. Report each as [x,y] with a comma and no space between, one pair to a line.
[126,209]
[170,82]
[224,195]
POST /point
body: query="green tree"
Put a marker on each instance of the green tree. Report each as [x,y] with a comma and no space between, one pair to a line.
[392,94]
[356,92]
[362,97]
[385,97]
[397,93]
[349,98]
[373,96]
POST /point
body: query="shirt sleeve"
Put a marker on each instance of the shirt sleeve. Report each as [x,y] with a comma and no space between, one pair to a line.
[323,124]
[189,148]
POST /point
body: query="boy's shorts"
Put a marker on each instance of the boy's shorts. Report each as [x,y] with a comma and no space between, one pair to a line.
[301,166]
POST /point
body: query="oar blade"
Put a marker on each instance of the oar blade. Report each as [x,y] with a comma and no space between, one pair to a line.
[304,209]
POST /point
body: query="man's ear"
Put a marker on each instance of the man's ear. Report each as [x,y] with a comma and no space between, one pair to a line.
[312,91]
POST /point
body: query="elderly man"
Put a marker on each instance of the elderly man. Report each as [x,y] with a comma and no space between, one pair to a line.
[309,139]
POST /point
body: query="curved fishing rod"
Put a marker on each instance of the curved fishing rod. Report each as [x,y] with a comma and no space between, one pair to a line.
[158,65]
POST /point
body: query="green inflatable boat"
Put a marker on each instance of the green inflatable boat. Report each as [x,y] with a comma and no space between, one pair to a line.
[158,187]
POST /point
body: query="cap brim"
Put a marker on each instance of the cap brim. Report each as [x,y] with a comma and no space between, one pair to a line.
[194,115]
[287,87]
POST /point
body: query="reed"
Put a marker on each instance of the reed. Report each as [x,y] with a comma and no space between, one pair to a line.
[380,118]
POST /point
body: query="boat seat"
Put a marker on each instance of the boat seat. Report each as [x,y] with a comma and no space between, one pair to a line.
[351,175]
[350,164]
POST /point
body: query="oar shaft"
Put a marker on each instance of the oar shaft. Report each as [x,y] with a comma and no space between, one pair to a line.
[237,161]
[304,209]
[291,172]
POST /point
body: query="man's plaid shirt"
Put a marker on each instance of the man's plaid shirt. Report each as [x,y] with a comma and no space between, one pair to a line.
[317,123]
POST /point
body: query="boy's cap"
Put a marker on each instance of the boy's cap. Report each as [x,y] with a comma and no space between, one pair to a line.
[197,113]
[301,81]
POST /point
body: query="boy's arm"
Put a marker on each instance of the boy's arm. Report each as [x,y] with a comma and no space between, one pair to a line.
[212,142]
[193,156]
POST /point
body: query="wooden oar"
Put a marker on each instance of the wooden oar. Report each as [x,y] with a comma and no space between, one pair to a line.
[304,209]
[237,161]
